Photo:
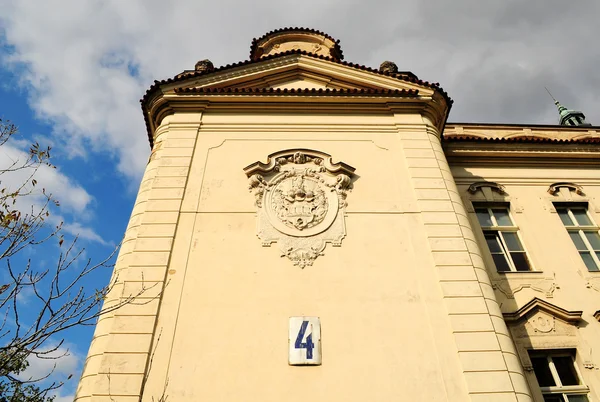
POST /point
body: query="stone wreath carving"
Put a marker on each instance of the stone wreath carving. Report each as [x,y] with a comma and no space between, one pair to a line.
[300,197]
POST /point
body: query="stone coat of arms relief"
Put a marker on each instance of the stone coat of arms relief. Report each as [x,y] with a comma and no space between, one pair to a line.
[300,197]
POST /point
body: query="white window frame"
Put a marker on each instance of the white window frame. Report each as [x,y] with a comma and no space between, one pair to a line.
[580,230]
[559,389]
[499,230]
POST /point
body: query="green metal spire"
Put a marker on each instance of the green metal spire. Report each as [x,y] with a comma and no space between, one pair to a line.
[569,117]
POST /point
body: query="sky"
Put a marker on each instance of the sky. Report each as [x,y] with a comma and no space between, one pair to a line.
[72,73]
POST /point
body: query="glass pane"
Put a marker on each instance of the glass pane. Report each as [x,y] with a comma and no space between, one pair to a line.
[594,239]
[512,241]
[589,261]
[564,216]
[581,217]
[484,217]
[493,242]
[576,237]
[542,371]
[595,267]
[521,261]
[501,263]
[553,398]
[566,370]
[502,217]
[578,398]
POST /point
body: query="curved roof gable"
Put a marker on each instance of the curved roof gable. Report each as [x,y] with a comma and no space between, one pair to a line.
[288,62]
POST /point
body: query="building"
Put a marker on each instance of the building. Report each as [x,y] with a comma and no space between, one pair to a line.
[312,229]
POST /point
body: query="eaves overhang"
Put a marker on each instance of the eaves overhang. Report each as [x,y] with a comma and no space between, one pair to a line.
[523,139]
[151,101]
[512,144]
[339,102]
[522,133]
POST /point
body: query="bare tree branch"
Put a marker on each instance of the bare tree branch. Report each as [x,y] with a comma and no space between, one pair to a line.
[54,298]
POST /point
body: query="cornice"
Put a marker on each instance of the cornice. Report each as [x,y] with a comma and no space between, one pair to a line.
[295,102]
[530,133]
[151,101]
[576,152]
[299,91]
[541,305]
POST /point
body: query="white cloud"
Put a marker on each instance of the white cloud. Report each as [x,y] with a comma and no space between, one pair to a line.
[75,201]
[64,398]
[86,63]
[85,233]
[63,365]
[73,197]
[61,362]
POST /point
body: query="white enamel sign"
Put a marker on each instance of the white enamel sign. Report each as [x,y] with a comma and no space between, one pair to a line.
[304,341]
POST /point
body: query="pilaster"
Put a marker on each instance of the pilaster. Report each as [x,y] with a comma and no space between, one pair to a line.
[487,354]
[118,359]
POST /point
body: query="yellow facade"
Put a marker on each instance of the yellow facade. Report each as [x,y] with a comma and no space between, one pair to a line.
[395,265]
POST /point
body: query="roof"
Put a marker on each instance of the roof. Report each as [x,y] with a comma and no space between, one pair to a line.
[486,133]
[402,76]
[299,91]
[186,75]
[527,139]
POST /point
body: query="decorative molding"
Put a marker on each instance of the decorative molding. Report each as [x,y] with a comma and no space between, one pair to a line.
[298,156]
[542,325]
[555,187]
[300,195]
[536,305]
[597,315]
[546,286]
[474,187]
[593,283]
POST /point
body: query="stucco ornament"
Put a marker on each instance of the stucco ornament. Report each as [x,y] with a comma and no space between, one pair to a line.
[300,197]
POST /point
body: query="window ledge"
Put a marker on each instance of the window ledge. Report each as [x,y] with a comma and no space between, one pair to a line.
[516,274]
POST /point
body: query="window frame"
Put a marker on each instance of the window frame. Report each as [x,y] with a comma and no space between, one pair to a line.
[563,390]
[498,230]
[580,230]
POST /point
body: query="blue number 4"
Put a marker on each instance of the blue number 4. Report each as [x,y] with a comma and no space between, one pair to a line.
[308,345]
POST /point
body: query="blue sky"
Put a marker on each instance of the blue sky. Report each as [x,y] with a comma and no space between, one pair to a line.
[103,217]
[72,73]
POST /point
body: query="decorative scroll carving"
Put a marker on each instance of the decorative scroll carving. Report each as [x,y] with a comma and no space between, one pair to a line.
[300,195]
[555,188]
[542,323]
[499,188]
[597,315]
[546,286]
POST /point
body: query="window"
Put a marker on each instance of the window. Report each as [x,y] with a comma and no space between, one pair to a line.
[558,377]
[583,233]
[502,238]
